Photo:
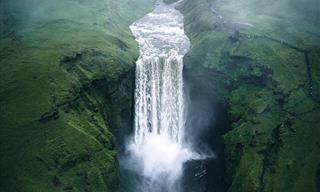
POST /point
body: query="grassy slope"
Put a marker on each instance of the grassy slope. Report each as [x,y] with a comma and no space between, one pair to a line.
[64,66]
[260,70]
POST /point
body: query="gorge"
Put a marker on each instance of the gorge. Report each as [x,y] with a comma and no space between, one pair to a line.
[177,96]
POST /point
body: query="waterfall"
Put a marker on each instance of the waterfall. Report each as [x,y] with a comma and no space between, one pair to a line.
[159,106]
[157,147]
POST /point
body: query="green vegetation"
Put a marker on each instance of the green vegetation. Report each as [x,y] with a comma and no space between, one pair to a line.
[66,83]
[261,59]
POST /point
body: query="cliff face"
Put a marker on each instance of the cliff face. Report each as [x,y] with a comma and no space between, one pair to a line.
[67,73]
[261,60]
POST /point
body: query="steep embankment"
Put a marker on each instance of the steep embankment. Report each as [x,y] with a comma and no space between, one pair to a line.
[261,59]
[66,81]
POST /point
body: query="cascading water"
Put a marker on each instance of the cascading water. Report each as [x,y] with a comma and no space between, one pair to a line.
[157,149]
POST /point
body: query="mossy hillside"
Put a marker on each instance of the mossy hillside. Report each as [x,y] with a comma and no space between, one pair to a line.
[252,56]
[65,67]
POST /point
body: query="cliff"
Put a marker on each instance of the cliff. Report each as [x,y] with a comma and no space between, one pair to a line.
[260,60]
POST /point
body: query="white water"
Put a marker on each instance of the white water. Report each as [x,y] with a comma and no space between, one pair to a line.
[157,148]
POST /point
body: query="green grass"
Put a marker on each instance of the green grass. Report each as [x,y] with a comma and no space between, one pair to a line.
[74,150]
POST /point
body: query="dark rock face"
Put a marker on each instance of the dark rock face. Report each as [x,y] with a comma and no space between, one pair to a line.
[258,66]
[207,121]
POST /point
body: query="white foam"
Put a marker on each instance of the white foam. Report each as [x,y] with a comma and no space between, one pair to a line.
[161,156]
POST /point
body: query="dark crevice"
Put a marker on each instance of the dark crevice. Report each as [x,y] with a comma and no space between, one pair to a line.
[51,115]
[269,151]
[306,55]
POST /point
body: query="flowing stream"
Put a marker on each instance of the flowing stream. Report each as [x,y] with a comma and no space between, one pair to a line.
[157,149]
